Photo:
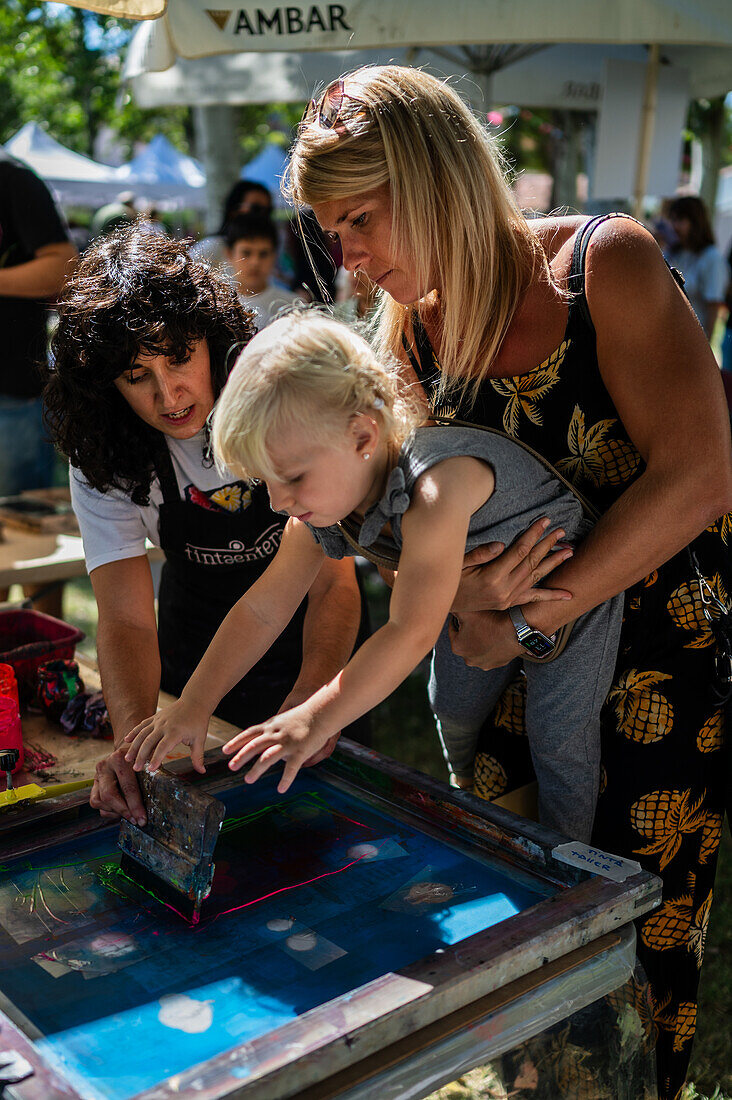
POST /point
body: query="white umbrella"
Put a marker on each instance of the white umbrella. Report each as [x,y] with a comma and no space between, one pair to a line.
[195,30]
[520,29]
[565,76]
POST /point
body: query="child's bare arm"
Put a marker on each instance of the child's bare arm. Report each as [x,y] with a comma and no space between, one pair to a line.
[253,624]
[434,532]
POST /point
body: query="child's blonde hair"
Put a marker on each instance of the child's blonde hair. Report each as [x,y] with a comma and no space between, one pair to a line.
[313,372]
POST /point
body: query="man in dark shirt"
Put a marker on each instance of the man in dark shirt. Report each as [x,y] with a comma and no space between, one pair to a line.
[35,256]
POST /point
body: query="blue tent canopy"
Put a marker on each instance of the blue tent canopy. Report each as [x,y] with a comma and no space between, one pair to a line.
[267,168]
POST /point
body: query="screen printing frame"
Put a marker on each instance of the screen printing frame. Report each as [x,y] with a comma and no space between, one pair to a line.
[394,1010]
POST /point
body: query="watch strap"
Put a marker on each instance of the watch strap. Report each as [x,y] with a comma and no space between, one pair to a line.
[520,625]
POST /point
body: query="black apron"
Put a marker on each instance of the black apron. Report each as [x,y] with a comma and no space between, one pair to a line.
[212,558]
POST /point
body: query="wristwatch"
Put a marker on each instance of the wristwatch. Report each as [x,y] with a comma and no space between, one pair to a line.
[533,641]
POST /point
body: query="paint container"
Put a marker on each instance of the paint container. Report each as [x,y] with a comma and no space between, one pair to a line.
[11,733]
[8,683]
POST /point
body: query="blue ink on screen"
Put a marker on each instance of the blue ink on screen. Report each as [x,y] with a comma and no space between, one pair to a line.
[315,894]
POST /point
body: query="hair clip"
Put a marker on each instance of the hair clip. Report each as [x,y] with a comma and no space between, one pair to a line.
[378,403]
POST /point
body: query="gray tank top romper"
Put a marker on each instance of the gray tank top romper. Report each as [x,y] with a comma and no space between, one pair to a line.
[525,490]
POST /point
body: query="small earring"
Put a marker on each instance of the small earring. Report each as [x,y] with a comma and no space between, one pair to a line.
[366,456]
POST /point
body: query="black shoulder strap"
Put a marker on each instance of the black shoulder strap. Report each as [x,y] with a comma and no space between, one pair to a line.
[576,280]
[163,465]
[577,271]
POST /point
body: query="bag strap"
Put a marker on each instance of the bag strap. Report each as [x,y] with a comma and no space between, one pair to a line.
[348,529]
[589,509]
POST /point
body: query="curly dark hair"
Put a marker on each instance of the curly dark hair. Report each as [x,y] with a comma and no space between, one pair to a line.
[133,293]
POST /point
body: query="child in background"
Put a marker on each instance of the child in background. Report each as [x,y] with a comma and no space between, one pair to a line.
[310,410]
[251,251]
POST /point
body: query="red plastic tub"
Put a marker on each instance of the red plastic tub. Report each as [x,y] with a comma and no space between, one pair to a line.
[29,638]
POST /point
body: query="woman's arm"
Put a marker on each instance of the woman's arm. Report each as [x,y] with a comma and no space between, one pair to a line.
[665,383]
[434,531]
[251,626]
[129,665]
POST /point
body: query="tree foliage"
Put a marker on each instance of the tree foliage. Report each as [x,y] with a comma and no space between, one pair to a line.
[60,67]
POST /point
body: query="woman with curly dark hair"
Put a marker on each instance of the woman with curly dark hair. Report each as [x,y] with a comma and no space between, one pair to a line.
[145,339]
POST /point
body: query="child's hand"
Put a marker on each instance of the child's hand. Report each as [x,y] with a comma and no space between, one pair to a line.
[292,737]
[154,738]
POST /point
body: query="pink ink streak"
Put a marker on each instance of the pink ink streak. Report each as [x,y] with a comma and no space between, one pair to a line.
[284,889]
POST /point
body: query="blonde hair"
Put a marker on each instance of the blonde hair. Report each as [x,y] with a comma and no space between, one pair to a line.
[313,372]
[451,206]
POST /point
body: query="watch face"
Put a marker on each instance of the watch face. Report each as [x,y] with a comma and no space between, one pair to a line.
[537,644]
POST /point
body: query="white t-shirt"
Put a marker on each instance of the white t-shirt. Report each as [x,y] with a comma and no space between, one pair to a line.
[267,304]
[113,528]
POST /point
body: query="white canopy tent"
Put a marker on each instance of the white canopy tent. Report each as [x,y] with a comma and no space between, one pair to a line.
[163,174]
[75,179]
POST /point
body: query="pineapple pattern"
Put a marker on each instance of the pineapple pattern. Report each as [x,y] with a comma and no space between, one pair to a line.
[687,610]
[711,736]
[665,817]
[661,730]
[490,777]
[643,713]
[526,392]
[594,457]
[711,837]
[682,1024]
[511,707]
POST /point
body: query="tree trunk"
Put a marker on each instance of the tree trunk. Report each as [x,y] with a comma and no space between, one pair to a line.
[711,143]
[217,147]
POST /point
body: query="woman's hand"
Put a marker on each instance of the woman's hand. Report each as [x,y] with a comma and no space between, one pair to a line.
[153,739]
[484,639]
[291,736]
[495,578]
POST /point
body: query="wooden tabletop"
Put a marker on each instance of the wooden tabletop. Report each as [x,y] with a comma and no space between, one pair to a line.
[29,558]
[76,757]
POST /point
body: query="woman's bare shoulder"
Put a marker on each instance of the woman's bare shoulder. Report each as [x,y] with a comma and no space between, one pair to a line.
[555,233]
[624,262]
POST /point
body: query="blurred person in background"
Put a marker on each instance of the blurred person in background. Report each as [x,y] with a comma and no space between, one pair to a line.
[245,197]
[251,252]
[151,221]
[36,254]
[114,215]
[695,254]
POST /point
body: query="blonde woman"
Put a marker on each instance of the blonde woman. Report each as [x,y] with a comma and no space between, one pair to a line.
[572,337]
[310,410]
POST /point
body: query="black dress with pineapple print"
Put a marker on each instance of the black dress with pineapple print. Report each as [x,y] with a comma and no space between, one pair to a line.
[663,770]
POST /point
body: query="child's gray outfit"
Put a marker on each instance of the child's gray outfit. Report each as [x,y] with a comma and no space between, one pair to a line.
[564,695]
